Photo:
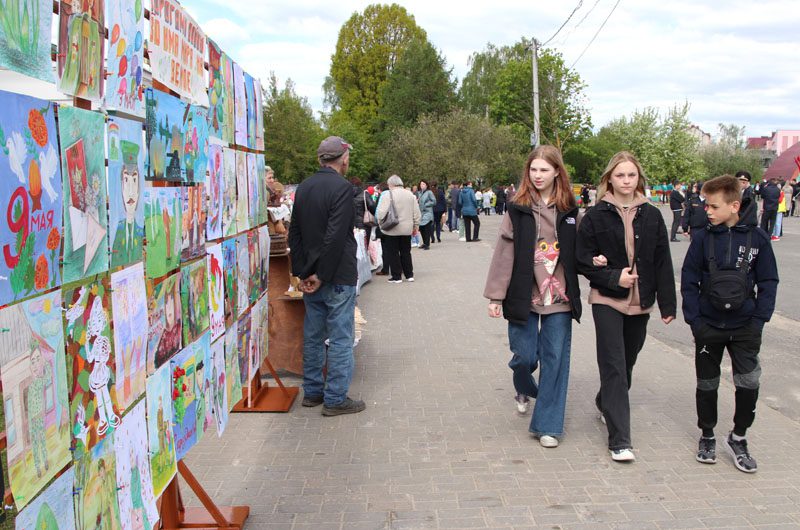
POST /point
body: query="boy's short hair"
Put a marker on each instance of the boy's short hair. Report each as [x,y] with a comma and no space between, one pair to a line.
[728,185]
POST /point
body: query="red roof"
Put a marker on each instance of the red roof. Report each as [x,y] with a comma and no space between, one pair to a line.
[757,142]
[786,166]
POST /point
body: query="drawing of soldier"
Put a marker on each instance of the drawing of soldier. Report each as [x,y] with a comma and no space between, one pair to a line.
[128,239]
[42,374]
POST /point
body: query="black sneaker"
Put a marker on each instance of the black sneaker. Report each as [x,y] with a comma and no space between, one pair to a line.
[741,456]
[348,406]
[707,450]
[312,401]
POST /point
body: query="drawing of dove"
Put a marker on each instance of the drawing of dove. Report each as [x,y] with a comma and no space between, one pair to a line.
[48,165]
[80,430]
[17,153]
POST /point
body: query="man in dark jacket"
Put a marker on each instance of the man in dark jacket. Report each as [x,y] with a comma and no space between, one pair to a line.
[676,202]
[500,206]
[770,197]
[323,252]
[452,207]
[748,213]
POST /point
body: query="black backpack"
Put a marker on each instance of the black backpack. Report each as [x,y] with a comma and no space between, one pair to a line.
[727,289]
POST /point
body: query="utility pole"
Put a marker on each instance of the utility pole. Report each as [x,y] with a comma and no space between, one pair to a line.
[535,62]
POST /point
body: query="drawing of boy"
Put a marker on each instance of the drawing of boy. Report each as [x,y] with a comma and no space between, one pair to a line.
[42,374]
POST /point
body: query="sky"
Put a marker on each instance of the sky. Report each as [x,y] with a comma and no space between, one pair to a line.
[733,64]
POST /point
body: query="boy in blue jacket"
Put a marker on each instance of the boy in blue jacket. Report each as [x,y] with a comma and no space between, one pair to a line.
[728,294]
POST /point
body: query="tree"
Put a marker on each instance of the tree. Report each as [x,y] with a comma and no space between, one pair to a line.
[292,134]
[456,146]
[729,155]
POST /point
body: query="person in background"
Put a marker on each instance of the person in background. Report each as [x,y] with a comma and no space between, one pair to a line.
[795,197]
[694,218]
[783,208]
[426,203]
[469,210]
[500,193]
[677,201]
[397,239]
[486,199]
[770,197]
[378,234]
[585,196]
[748,211]
[362,201]
[438,212]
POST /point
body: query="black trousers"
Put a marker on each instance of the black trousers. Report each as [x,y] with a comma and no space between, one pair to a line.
[468,222]
[619,339]
[743,345]
[676,222]
[768,221]
[426,231]
[398,251]
[437,225]
[500,208]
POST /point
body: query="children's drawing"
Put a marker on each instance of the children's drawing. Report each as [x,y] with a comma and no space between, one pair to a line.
[216,291]
[25,37]
[125,60]
[242,192]
[214,176]
[194,300]
[184,399]
[263,190]
[96,502]
[233,386]
[263,251]
[259,323]
[254,277]
[91,362]
[230,206]
[231,273]
[83,164]
[259,114]
[193,218]
[252,190]
[164,315]
[195,149]
[243,348]
[220,94]
[35,402]
[53,509]
[240,106]
[137,504]
[243,274]
[129,307]
[202,385]
[125,191]
[81,39]
[250,99]
[219,385]
[163,464]
[162,216]
[164,135]
[30,196]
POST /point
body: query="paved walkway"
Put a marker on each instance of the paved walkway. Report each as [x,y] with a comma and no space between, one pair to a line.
[441,445]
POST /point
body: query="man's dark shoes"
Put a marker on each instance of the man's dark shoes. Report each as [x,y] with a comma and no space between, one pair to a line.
[348,406]
[741,456]
[707,450]
[312,401]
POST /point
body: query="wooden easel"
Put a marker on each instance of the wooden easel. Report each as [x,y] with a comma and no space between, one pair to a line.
[265,398]
[174,515]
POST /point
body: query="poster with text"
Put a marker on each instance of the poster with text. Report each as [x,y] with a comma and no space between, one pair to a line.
[30,198]
[137,504]
[177,50]
[125,191]
[81,41]
[216,291]
[125,58]
[162,216]
[25,29]
[214,176]
[129,307]
[161,442]
[164,134]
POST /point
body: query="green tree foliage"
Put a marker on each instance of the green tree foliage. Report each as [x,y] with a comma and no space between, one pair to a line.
[729,155]
[589,156]
[500,85]
[292,134]
[456,146]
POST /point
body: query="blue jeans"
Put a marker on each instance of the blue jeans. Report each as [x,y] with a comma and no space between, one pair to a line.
[329,315]
[548,347]
[776,231]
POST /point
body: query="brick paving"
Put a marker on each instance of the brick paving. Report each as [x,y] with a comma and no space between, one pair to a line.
[441,445]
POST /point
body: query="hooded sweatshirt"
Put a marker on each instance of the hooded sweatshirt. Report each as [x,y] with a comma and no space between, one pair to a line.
[630,305]
[549,288]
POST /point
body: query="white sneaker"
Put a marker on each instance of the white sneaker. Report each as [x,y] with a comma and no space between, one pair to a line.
[548,441]
[410,279]
[522,403]
[623,455]
[462,238]
[602,419]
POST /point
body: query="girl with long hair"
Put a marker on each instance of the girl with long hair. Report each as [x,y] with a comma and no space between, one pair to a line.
[623,249]
[533,280]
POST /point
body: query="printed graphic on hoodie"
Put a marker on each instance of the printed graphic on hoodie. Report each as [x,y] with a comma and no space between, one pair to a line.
[551,290]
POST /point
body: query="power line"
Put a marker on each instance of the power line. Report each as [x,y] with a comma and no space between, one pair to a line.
[564,40]
[580,3]
[596,34]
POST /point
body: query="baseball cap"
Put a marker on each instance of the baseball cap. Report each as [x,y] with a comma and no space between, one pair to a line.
[332,148]
[743,175]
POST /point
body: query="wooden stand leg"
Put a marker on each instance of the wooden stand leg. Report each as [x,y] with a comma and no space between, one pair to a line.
[266,398]
[174,515]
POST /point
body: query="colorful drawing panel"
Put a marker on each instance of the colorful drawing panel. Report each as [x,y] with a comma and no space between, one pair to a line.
[30,197]
[193,220]
[231,284]
[91,362]
[161,441]
[261,327]
[34,394]
[263,190]
[184,400]
[230,206]
[83,164]
[240,106]
[137,504]
[195,149]
[129,307]
[243,273]
[242,193]
[216,291]
[233,385]
[264,242]
[250,100]
[194,300]
[125,60]
[243,348]
[162,212]
[25,38]
[203,392]
[214,182]
[52,509]
[259,115]
[81,40]
[253,186]
[219,385]
[164,136]
[125,191]
[96,486]
[254,278]
[164,315]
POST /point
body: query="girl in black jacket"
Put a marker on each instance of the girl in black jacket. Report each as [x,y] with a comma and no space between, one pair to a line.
[623,250]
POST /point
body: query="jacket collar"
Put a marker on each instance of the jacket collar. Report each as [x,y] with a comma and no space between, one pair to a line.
[741,226]
[528,211]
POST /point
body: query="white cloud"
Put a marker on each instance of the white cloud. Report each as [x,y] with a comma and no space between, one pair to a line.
[226,29]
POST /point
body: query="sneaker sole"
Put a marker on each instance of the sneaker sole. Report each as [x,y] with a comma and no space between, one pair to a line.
[705,460]
[548,441]
[736,460]
[630,457]
[310,404]
[339,412]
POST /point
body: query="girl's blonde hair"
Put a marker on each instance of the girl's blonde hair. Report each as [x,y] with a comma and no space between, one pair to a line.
[623,156]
